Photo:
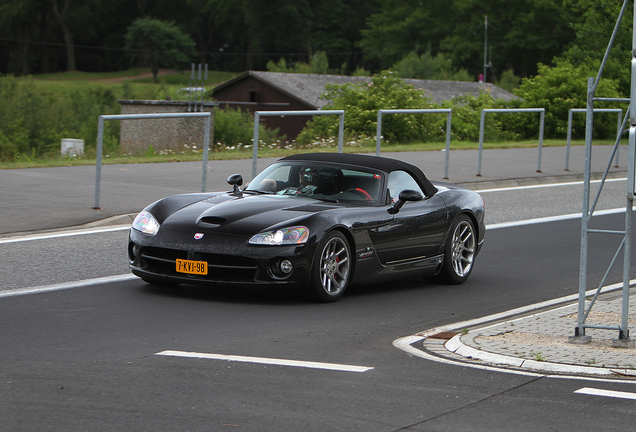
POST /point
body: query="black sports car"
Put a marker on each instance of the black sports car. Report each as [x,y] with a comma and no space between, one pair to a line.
[321,221]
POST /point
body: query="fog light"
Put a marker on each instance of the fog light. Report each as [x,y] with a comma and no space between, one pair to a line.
[286,266]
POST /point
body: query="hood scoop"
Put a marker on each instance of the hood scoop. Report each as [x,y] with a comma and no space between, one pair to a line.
[211,221]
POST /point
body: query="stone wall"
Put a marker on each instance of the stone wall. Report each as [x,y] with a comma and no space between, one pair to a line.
[164,135]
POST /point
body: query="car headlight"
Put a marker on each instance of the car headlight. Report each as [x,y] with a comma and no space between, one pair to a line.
[146,223]
[285,236]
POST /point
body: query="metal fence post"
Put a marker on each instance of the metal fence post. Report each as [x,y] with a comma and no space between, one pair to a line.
[98,163]
[482,121]
[541,127]
[100,141]
[378,133]
[259,114]
[448,111]
[596,110]
[509,110]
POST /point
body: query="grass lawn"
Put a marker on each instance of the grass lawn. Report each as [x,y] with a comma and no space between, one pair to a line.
[246,153]
[132,83]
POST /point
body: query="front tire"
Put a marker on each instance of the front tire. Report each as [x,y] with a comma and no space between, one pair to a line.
[331,270]
[459,251]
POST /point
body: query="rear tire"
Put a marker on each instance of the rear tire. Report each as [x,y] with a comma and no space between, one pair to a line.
[459,251]
[331,270]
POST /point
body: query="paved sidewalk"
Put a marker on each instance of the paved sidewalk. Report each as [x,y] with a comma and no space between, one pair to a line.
[539,341]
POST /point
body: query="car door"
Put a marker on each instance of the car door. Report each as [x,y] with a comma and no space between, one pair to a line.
[416,231]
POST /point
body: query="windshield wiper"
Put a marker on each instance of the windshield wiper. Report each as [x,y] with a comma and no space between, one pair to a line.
[258,191]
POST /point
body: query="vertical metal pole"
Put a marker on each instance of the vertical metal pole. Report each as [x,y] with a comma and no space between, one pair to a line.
[481,141]
[624,332]
[98,165]
[541,127]
[255,143]
[580,329]
[341,133]
[567,149]
[199,83]
[631,187]
[190,89]
[619,135]
[448,139]
[378,134]
[206,146]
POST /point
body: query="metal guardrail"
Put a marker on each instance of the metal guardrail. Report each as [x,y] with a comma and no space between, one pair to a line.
[259,114]
[596,110]
[447,111]
[509,110]
[100,141]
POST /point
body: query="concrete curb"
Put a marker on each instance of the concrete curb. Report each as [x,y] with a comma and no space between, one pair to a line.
[455,345]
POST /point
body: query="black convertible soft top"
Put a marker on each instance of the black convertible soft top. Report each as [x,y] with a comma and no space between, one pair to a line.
[376,162]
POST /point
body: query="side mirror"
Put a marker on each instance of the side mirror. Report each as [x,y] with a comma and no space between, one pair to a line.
[405,195]
[236,180]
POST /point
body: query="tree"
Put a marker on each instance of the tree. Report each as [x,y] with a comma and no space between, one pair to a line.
[158,43]
[362,100]
[593,21]
[560,88]
[67,13]
[520,33]
[427,66]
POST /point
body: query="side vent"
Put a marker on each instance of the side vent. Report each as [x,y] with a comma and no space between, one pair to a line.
[211,221]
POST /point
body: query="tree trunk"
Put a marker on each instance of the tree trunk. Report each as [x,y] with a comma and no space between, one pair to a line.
[62,17]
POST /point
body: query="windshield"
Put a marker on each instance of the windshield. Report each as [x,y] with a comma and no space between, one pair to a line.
[321,181]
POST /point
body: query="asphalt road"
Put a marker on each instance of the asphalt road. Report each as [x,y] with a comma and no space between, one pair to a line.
[46,198]
[85,358]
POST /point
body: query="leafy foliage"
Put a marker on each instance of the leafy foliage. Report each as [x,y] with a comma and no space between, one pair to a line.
[559,89]
[319,64]
[234,129]
[387,90]
[32,123]
[427,66]
[158,43]
[361,102]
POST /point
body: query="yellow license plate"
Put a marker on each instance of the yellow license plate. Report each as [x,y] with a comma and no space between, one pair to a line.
[192,267]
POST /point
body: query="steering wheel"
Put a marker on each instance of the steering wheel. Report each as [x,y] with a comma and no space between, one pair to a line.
[361,192]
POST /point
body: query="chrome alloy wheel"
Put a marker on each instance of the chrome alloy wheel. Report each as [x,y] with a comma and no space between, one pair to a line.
[463,248]
[334,266]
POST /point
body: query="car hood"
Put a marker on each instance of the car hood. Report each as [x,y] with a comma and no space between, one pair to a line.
[246,215]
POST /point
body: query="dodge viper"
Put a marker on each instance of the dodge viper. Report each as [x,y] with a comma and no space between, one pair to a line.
[320,222]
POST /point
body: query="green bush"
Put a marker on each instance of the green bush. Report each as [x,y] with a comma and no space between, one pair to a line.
[361,102]
[387,90]
[467,118]
[33,122]
[558,89]
[427,66]
[234,129]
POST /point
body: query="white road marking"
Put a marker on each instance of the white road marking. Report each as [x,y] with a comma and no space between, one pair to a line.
[551,219]
[269,361]
[547,185]
[67,285]
[70,233]
[606,393]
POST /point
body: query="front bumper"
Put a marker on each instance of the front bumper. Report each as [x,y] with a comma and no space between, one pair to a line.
[231,261]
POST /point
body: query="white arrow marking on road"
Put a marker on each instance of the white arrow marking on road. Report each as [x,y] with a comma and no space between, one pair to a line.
[606,393]
[270,361]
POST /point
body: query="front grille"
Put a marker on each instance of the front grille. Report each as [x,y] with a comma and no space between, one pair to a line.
[221,268]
